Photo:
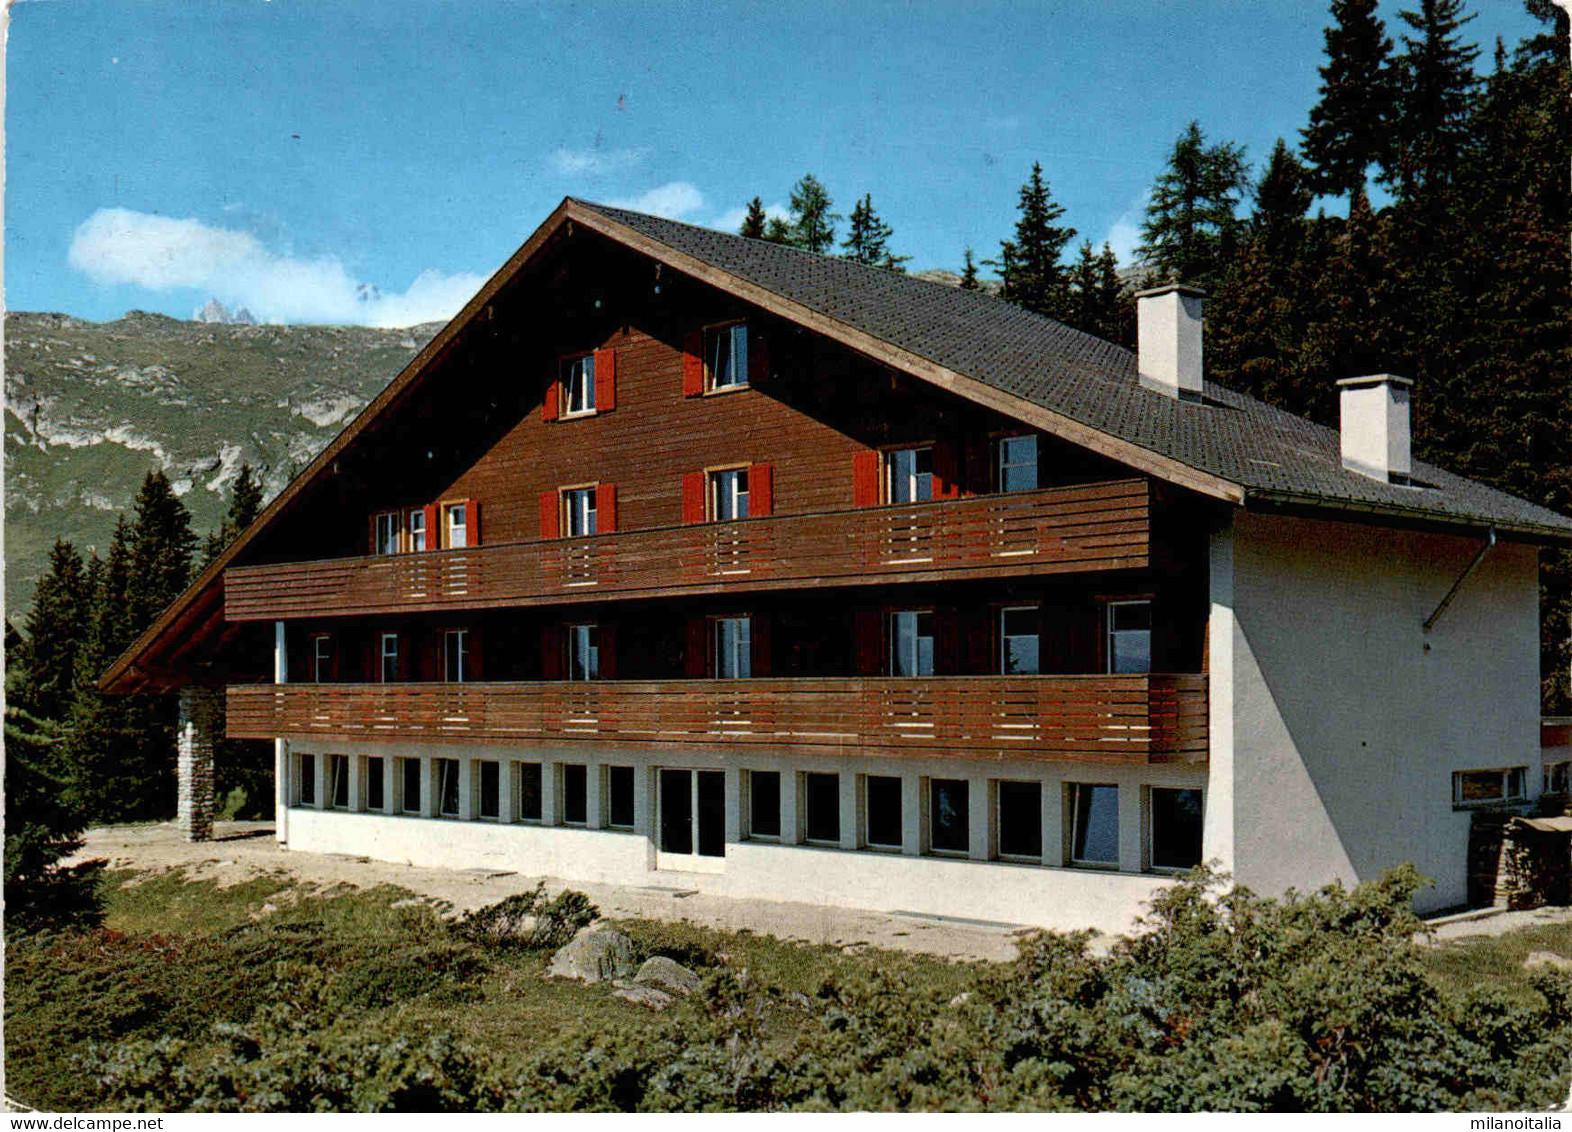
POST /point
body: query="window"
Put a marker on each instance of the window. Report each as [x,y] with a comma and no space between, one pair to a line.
[1129,636]
[389,655]
[306,780]
[322,658]
[882,811]
[455,518]
[338,781]
[578,506]
[1558,777]
[733,648]
[455,655]
[1175,834]
[1484,787]
[490,775]
[1094,831]
[387,532]
[911,643]
[1018,640]
[619,797]
[911,475]
[1020,818]
[578,385]
[410,802]
[822,806]
[583,652]
[376,788]
[729,494]
[575,794]
[417,529]
[949,815]
[529,792]
[448,787]
[764,803]
[1017,463]
[726,356]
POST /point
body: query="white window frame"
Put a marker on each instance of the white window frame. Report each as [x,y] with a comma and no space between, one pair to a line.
[478,770]
[388,532]
[867,814]
[1110,634]
[402,768]
[518,772]
[633,787]
[807,795]
[998,820]
[1074,824]
[915,659]
[321,659]
[445,767]
[782,779]
[728,493]
[1508,775]
[1004,638]
[573,633]
[338,773]
[461,655]
[455,533]
[1561,768]
[579,511]
[375,772]
[740,647]
[578,377]
[912,478]
[417,530]
[930,811]
[305,768]
[1149,813]
[563,770]
[1002,466]
[384,656]
[735,332]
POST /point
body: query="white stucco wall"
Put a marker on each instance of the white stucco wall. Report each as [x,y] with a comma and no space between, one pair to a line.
[1337,722]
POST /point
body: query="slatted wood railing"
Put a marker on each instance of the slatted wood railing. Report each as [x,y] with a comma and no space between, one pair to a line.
[1091,527]
[1103,719]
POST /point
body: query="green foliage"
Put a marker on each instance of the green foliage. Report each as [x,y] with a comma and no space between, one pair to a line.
[1190,232]
[813,222]
[1029,265]
[1351,124]
[1435,82]
[753,223]
[1100,303]
[528,920]
[868,241]
[969,273]
[46,666]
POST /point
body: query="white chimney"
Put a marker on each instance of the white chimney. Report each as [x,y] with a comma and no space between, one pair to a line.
[1374,426]
[1168,337]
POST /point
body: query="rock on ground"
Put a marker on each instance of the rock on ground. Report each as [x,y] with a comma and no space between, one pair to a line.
[668,975]
[1547,959]
[649,997]
[597,954]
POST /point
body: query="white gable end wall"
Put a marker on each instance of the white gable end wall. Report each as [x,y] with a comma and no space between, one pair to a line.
[1340,727]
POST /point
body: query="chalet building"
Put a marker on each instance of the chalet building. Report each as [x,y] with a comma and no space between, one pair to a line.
[681,559]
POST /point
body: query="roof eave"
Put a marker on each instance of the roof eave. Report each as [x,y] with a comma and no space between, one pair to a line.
[1258,498]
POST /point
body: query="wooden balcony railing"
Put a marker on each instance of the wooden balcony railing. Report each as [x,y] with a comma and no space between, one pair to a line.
[1101,719]
[1091,527]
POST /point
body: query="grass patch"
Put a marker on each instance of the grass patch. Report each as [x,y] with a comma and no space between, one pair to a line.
[1496,961]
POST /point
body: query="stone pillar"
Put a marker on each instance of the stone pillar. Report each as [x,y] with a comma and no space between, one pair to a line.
[200,727]
[911,814]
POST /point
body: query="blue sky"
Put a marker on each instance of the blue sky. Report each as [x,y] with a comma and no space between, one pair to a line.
[287,155]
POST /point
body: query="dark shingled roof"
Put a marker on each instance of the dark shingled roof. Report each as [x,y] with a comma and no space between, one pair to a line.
[1273,455]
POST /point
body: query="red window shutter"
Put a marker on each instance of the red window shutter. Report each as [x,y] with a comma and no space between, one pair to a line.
[868,629]
[548,410]
[763,654]
[551,652]
[605,380]
[946,471]
[433,526]
[758,358]
[472,521]
[693,364]
[761,490]
[550,515]
[696,655]
[979,465]
[605,508]
[865,479]
[693,497]
[607,645]
[475,662]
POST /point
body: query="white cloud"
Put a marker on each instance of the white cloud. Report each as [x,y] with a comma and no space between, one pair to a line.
[117,245]
[731,221]
[673,200]
[593,162]
[1125,233]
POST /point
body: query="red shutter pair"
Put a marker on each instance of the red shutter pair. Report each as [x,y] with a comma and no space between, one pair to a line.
[605,511]
[946,475]
[761,494]
[946,471]
[605,387]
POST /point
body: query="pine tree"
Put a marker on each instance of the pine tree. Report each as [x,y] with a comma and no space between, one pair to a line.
[1350,127]
[1435,83]
[161,548]
[813,224]
[1282,197]
[969,273]
[1190,229]
[868,241]
[1115,300]
[245,503]
[1029,265]
[777,231]
[753,223]
[46,670]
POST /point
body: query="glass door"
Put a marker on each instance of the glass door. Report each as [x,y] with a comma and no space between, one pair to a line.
[691,821]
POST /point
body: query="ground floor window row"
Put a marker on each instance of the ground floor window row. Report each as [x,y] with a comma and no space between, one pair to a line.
[689,811]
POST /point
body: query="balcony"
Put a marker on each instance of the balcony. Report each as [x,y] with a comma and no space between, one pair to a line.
[1094,719]
[1103,526]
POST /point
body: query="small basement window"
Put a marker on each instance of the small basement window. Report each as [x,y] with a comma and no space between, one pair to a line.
[1020,818]
[882,811]
[1094,832]
[1472,788]
[338,781]
[822,803]
[529,792]
[490,775]
[376,788]
[1175,833]
[575,794]
[949,815]
[764,804]
[305,780]
[409,800]
[448,787]
[619,797]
